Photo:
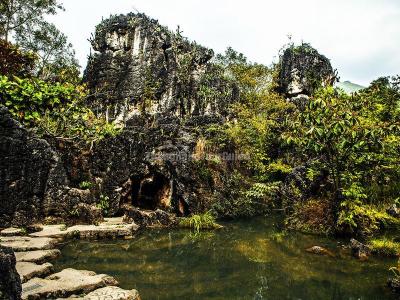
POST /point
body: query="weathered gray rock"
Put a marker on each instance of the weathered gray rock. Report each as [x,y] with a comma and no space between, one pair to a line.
[86,214]
[10,282]
[148,218]
[359,250]
[320,251]
[28,270]
[24,243]
[65,283]
[302,70]
[38,256]
[112,293]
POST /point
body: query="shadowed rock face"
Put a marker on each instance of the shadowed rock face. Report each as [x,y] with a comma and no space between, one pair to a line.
[140,66]
[10,282]
[302,70]
[25,164]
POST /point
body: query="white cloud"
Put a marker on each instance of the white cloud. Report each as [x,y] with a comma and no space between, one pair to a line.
[361,37]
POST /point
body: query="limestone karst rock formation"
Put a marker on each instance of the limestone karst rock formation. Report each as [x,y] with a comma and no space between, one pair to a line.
[161,89]
[302,70]
[140,66]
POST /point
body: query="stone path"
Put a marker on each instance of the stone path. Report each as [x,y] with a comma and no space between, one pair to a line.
[34,251]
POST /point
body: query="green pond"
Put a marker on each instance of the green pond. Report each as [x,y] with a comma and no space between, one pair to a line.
[251,259]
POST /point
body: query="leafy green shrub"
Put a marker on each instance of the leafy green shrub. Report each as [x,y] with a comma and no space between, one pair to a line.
[53,109]
[104,204]
[28,99]
[199,222]
[85,185]
[360,219]
[384,247]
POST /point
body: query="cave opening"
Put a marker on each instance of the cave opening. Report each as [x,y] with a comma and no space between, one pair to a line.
[152,192]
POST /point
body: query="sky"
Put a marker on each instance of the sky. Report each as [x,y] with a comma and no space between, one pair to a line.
[360,37]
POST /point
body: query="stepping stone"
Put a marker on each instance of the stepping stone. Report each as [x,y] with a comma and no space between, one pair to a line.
[12,231]
[25,243]
[38,256]
[28,270]
[64,284]
[109,293]
[111,228]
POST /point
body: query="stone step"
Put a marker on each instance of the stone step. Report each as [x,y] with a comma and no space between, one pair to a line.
[38,256]
[111,228]
[25,243]
[28,270]
[12,231]
[65,283]
[109,293]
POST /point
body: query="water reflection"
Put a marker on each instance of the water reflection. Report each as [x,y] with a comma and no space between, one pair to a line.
[244,260]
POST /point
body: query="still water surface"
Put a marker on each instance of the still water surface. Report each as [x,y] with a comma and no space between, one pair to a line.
[251,259]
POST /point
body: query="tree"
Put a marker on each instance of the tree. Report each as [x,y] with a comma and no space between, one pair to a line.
[56,57]
[336,129]
[16,15]
[23,20]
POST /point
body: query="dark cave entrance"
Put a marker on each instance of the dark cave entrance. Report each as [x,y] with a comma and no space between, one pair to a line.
[152,192]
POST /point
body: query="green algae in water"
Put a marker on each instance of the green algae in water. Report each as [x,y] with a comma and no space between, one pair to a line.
[244,260]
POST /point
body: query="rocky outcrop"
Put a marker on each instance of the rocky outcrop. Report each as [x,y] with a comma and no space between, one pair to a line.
[141,67]
[10,283]
[302,70]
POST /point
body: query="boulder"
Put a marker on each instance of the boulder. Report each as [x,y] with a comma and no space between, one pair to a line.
[359,250]
[10,282]
[320,251]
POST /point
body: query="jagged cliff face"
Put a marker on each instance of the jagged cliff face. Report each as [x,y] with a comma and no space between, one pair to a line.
[141,67]
[302,70]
